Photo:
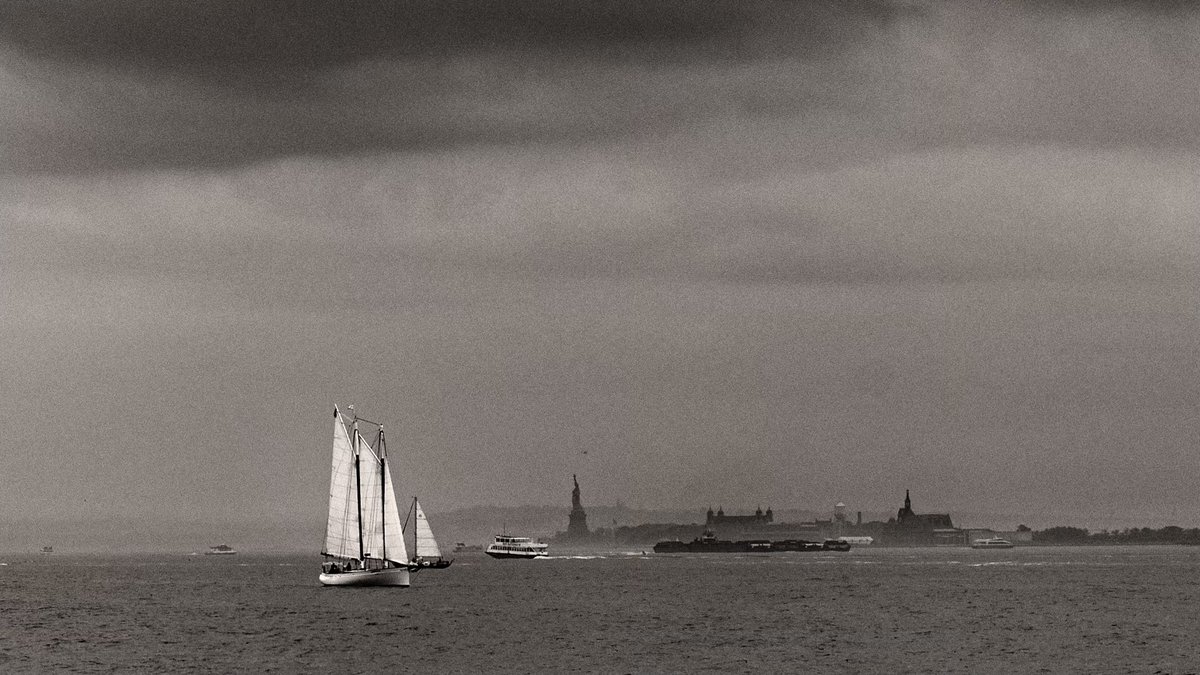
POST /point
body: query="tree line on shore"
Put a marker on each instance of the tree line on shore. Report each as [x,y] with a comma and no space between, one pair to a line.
[1171,534]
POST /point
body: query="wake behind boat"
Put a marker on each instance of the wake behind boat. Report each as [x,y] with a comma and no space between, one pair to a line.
[364,543]
[506,546]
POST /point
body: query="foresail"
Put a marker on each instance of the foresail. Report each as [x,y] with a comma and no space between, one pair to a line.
[426,545]
[341,526]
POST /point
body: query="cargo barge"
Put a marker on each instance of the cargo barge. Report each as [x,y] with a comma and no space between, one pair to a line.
[708,543]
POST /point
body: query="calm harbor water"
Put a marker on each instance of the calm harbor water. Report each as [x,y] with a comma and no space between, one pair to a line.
[1026,610]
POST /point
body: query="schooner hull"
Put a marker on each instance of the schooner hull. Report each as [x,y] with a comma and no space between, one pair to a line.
[393,576]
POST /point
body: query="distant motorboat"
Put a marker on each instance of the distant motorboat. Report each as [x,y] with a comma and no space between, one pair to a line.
[47,549]
[992,542]
[507,546]
[463,547]
[220,549]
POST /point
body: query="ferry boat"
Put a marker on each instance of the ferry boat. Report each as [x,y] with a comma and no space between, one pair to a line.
[507,546]
[992,542]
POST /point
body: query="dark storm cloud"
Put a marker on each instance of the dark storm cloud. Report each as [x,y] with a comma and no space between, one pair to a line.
[309,35]
[232,37]
[96,86]
[128,84]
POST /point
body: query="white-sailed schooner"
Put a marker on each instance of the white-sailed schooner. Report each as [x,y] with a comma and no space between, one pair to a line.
[426,554]
[364,543]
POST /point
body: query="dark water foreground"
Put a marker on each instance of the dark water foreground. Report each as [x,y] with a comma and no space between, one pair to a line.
[1053,610]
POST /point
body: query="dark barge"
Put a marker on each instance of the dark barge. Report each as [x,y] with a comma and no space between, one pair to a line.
[708,543]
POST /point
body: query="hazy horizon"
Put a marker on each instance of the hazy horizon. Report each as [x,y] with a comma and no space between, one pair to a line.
[733,253]
[476,525]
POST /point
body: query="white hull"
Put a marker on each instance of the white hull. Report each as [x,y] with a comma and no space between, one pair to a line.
[393,576]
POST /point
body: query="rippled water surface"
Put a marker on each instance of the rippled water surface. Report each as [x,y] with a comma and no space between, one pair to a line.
[1026,610]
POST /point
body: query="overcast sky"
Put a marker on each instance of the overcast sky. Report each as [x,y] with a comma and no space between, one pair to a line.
[699,253]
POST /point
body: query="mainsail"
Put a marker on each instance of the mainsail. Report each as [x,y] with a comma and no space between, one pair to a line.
[364,496]
[425,546]
[341,527]
[383,537]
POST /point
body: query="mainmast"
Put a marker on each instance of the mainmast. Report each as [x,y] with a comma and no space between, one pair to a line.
[362,554]
[383,494]
[416,534]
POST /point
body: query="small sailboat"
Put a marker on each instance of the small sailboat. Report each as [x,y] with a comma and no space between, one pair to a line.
[426,554]
[364,543]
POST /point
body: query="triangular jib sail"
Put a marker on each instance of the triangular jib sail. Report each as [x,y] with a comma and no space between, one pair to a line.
[426,546]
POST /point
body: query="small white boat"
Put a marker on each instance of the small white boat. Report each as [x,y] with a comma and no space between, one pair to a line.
[992,542]
[507,546]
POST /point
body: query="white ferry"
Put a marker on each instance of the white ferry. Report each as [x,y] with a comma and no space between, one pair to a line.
[507,546]
[992,542]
